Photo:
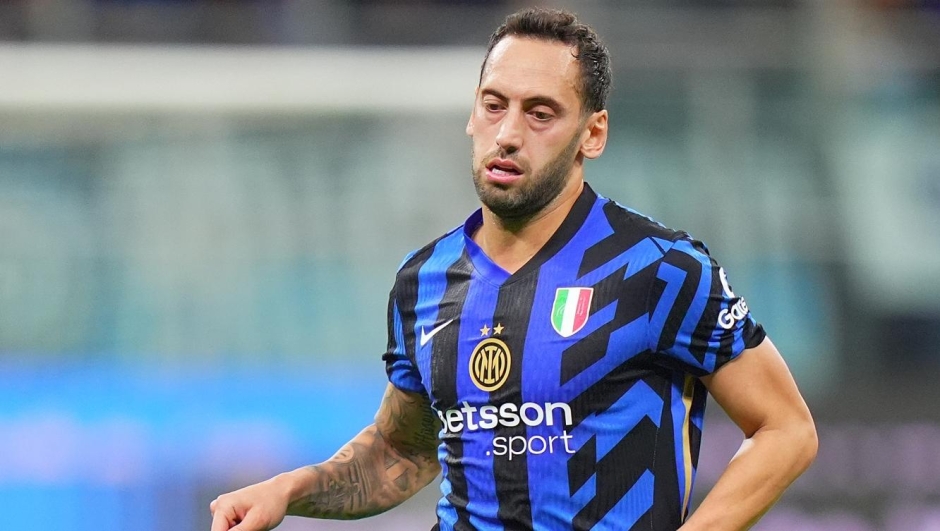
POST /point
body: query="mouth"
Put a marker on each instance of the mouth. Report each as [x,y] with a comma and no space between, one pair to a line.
[503,171]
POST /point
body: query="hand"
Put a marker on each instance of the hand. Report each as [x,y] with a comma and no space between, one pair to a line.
[258,507]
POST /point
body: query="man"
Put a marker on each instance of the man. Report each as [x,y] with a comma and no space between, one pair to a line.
[553,354]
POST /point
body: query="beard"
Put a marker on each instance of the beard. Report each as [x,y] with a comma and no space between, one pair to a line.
[535,191]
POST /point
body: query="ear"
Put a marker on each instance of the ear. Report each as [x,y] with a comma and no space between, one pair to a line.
[476,91]
[595,131]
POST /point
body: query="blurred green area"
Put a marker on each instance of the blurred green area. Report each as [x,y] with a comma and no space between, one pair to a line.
[231,238]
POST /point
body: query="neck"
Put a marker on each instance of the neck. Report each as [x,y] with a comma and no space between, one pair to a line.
[510,243]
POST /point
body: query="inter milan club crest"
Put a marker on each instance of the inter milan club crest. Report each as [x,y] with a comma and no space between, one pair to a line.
[571,310]
[490,362]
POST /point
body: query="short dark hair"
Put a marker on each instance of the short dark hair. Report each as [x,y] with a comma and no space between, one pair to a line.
[564,27]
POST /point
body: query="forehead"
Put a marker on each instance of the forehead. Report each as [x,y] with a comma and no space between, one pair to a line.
[526,67]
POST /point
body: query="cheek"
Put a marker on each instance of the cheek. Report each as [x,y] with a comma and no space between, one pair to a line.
[477,126]
[481,137]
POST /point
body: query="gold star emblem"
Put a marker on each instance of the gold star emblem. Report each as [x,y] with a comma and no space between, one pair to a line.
[485,331]
[498,329]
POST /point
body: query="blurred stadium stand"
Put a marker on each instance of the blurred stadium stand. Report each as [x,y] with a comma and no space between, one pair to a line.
[203,203]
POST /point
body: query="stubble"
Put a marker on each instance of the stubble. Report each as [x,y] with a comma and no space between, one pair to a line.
[537,190]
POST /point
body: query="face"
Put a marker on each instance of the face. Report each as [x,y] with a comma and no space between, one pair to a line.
[527,126]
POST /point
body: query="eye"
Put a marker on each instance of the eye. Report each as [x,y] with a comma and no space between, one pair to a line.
[492,106]
[542,116]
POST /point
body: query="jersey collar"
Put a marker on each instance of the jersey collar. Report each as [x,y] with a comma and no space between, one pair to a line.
[496,274]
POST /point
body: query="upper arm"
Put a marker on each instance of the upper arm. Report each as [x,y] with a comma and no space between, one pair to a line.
[405,419]
[399,354]
[407,422]
[695,320]
[757,391]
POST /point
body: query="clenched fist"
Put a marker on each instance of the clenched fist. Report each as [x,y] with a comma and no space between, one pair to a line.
[258,507]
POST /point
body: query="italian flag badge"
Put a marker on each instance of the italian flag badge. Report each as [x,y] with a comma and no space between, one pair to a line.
[571,309]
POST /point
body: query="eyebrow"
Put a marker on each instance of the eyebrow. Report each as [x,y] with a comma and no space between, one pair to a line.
[528,102]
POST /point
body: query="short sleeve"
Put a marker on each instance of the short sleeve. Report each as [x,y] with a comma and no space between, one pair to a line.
[399,365]
[696,321]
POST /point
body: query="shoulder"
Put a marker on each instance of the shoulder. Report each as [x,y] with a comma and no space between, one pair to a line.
[632,225]
[413,261]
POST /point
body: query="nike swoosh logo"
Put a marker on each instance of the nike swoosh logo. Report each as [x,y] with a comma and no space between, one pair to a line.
[427,337]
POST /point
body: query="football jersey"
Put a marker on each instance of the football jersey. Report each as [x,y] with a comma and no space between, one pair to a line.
[568,391]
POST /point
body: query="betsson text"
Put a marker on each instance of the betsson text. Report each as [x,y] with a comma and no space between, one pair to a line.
[510,415]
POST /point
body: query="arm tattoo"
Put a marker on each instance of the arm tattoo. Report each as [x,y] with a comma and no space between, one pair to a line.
[381,467]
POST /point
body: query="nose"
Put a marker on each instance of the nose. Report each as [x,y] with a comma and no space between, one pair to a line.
[509,136]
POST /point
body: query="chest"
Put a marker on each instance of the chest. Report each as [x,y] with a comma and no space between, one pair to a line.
[542,339]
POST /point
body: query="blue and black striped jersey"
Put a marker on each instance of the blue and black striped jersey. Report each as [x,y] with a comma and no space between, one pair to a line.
[568,390]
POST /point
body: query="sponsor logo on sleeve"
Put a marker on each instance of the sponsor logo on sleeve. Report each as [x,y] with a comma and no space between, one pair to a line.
[728,317]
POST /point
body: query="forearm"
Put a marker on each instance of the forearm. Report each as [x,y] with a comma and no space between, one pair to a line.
[366,477]
[767,463]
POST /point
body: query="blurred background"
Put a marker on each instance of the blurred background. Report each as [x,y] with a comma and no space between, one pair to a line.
[203,205]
